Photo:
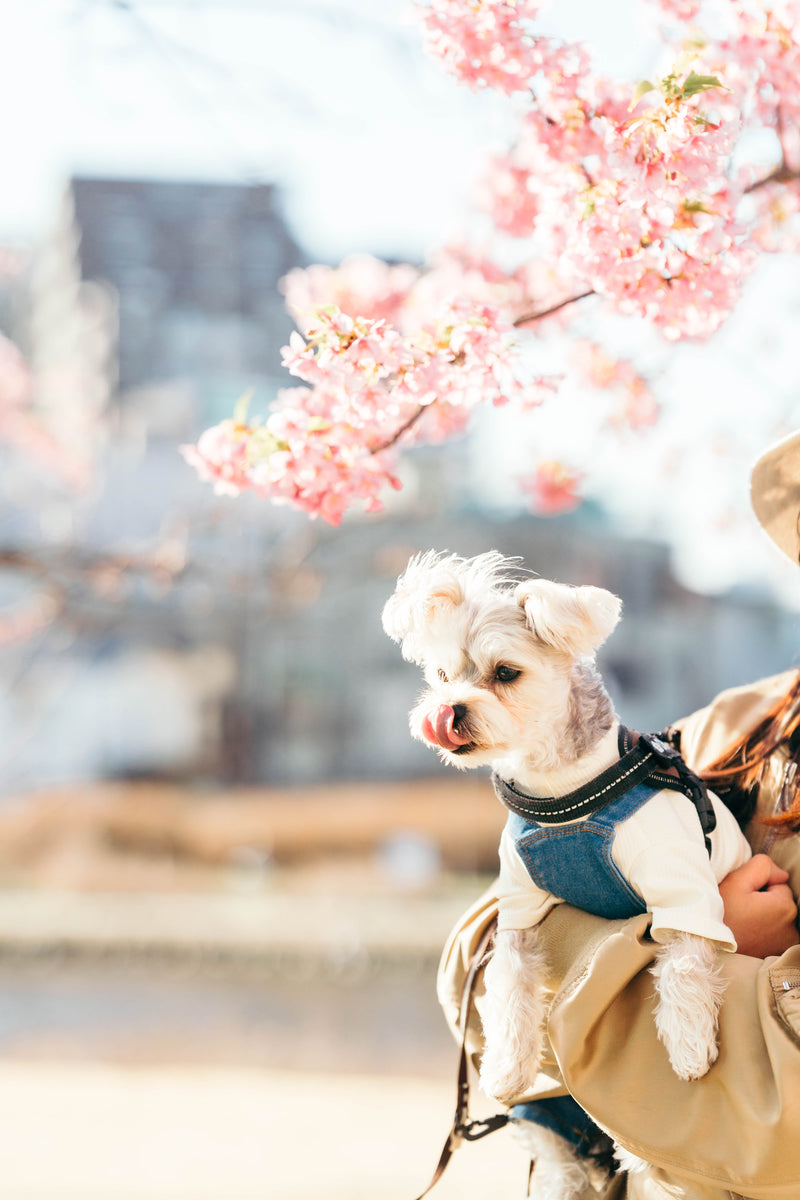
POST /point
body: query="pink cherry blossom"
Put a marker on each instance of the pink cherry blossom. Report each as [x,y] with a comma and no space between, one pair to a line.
[553,488]
[330,445]
[506,194]
[361,286]
[221,457]
[681,10]
[637,407]
[485,44]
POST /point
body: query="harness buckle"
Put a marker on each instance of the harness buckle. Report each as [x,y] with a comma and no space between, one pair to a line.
[659,748]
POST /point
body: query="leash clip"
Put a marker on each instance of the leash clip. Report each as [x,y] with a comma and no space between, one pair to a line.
[473,1131]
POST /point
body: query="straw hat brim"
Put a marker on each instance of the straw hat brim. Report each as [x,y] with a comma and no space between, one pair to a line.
[775,494]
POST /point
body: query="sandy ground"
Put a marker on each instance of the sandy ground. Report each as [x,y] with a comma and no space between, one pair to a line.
[83,1118]
[94,1132]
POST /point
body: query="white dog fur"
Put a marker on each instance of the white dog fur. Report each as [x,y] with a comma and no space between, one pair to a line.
[511,682]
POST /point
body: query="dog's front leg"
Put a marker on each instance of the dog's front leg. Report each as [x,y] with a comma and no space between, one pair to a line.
[689,996]
[512,1013]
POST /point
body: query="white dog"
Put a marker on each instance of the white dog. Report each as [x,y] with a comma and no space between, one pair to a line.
[512,683]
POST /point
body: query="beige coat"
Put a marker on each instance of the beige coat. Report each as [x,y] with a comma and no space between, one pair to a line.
[734,1133]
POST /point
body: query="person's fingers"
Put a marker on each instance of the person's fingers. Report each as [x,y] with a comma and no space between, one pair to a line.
[784,899]
[761,872]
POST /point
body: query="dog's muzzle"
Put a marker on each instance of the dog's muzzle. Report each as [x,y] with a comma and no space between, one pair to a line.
[439,727]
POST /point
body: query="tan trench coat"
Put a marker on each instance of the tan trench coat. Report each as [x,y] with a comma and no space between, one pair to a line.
[734,1133]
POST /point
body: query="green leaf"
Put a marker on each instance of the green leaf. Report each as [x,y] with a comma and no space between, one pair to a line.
[693,84]
[668,86]
[242,405]
[642,89]
[263,444]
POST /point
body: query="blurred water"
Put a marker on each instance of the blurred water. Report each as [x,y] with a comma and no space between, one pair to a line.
[378,1019]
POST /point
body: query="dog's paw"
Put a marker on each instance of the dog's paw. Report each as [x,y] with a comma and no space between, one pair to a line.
[508,1076]
[504,1082]
[689,994]
[689,1058]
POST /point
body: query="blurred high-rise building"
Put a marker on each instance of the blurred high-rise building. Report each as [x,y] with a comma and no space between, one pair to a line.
[195,270]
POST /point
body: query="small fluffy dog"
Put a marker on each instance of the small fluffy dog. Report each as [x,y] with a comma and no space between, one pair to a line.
[512,682]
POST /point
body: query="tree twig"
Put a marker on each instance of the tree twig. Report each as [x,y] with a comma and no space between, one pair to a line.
[412,420]
[781,174]
[554,308]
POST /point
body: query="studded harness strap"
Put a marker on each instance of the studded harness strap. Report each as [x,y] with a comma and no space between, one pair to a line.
[644,758]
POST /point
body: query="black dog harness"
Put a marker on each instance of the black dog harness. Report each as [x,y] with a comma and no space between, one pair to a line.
[644,758]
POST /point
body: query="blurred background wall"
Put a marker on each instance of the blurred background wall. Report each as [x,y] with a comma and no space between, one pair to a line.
[201,638]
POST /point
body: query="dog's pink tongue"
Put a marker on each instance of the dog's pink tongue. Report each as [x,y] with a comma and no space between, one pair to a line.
[438,726]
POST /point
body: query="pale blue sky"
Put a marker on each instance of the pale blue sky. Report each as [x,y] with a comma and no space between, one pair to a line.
[334,98]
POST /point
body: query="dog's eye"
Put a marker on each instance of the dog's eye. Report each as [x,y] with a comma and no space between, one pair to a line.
[506,674]
[442,676]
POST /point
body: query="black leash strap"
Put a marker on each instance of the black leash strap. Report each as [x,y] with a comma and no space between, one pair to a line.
[463,1129]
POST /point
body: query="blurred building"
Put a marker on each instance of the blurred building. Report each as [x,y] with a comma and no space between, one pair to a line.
[195,270]
[264,660]
[149,308]
[283,674]
[338,697]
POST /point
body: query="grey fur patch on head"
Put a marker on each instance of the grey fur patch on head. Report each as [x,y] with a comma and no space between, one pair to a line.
[591,713]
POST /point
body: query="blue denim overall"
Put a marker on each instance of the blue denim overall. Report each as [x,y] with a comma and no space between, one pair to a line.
[574,862]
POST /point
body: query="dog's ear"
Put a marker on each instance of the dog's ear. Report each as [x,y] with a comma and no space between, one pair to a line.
[574,620]
[427,590]
[397,617]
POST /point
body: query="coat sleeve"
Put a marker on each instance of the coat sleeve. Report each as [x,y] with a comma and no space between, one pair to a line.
[735,1128]
[709,732]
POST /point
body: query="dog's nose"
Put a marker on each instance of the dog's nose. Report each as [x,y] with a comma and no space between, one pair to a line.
[459,712]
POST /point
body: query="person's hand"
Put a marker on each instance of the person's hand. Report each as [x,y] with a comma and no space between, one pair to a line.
[760,909]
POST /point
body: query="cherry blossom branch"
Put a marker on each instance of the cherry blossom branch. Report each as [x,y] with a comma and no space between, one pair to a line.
[415,416]
[554,308]
[395,438]
[630,188]
[782,174]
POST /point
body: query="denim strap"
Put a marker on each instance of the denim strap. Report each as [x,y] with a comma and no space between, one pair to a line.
[564,1116]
